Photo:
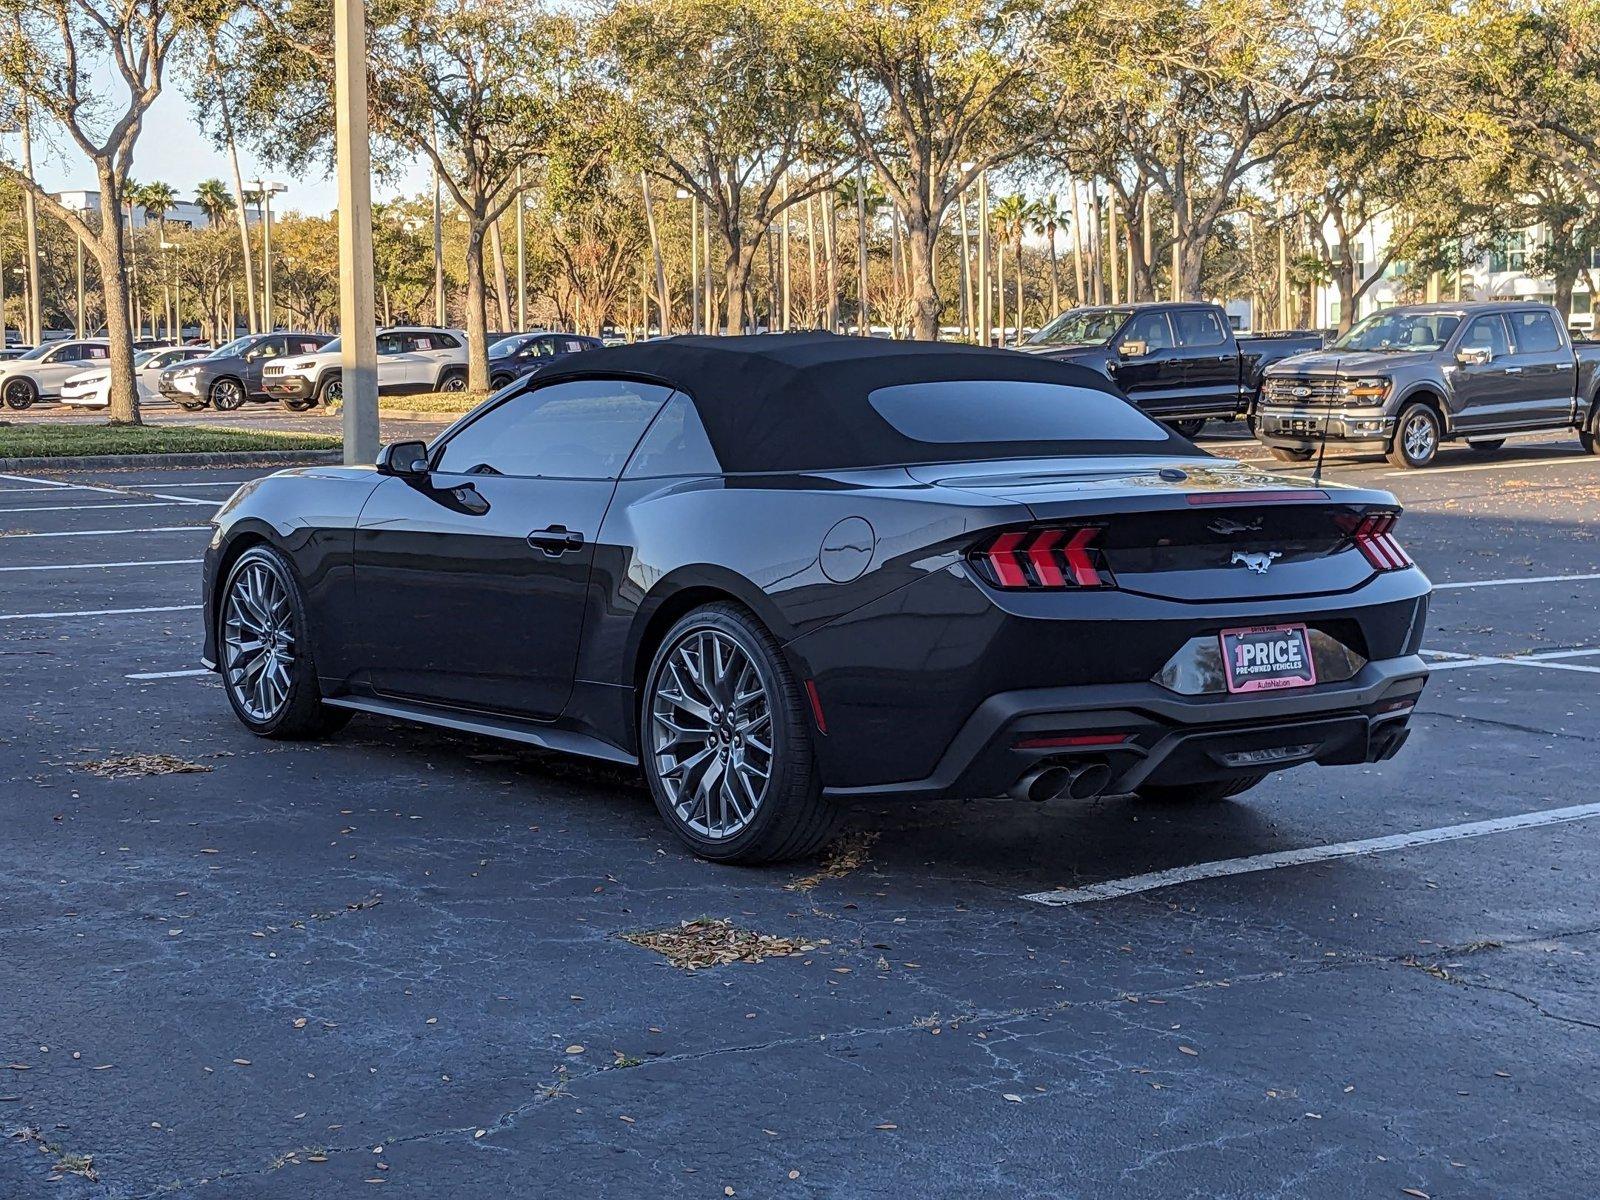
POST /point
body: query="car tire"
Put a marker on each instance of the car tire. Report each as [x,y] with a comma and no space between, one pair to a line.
[1416,437]
[1291,454]
[453,381]
[497,382]
[226,395]
[273,688]
[191,405]
[20,394]
[1189,429]
[299,405]
[1589,438]
[717,682]
[330,391]
[1205,791]
[1487,446]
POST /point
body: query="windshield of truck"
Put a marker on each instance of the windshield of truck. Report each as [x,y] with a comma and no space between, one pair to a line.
[1401,332]
[1082,327]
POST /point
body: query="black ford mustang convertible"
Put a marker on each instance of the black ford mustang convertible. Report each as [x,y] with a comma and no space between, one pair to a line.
[782,573]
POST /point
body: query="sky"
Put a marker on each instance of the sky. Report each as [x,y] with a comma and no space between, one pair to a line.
[173,150]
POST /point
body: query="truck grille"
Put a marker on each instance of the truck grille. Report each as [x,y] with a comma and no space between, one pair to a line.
[1301,389]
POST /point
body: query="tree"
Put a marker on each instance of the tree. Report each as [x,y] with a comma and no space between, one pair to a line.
[1048,219]
[469,85]
[937,92]
[729,101]
[94,68]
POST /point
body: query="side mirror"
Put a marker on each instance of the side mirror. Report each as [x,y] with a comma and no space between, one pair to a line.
[403,458]
[1133,348]
[1474,356]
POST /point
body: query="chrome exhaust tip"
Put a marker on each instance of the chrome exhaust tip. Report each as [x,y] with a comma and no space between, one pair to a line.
[1042,783]
[1087,781]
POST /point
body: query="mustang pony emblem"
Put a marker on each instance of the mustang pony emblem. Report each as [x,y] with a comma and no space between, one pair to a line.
[1256,562]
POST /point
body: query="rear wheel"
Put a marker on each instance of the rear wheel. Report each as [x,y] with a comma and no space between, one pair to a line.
[1291,454]
[20,394]
[1189,428]
[725,741]
[227,395]
[453,381]
[265,651]
[1416,437]
[1206,791]
[1488,445]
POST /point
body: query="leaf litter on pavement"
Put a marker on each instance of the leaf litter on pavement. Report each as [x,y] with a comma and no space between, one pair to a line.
[713,942]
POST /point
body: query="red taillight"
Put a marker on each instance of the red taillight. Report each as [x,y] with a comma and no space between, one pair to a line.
[1071,741]
[1373,537]
[1052,559]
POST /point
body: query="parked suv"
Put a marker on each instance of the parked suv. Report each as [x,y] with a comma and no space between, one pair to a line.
[1409,378]
[411,358]
[39,374]
[524,353]
[229,376]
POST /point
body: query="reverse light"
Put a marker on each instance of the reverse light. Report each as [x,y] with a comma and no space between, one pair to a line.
[1043,559]
[1373,537]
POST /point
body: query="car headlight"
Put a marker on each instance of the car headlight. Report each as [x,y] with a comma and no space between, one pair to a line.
[1373,387]
[304,366]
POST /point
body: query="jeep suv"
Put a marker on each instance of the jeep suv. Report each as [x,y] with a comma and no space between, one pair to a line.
[411,358]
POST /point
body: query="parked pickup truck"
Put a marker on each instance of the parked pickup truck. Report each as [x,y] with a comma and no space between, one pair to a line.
[1179,362]
[1409,378]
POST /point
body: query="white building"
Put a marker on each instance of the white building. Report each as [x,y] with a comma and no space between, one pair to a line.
[1499,275]
[184,214]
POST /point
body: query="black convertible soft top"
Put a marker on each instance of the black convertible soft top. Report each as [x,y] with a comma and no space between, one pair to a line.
[800,401]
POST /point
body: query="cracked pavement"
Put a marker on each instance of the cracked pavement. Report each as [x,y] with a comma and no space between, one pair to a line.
[395,956]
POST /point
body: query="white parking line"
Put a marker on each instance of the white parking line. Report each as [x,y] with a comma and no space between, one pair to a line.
[108,532]
[110,491]
[1544,658]
[90,507]
[1497,466]
[97,612]
[1478,583]
[1134,884]
[46,483]
[143,675]
[111,566]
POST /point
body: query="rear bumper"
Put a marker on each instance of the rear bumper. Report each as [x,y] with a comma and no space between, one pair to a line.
[1170,738]
[1297,428]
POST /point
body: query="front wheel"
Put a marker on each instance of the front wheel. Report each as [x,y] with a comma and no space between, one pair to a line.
[330,392]
[20,394]
[227,395]
[1207,791]
[263,628]
[1416,438]
[1291,454]
[725,742]
[1589,438]
[1188,428]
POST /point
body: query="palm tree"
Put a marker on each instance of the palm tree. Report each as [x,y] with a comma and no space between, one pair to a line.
[213,198]
[1010,216]
[157,200]
[1048,218]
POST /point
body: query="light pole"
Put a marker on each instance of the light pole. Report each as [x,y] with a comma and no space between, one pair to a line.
[267,189]
[983,259]
[359,360]
[694,256]
[966,260]
[522,256]
[863,328]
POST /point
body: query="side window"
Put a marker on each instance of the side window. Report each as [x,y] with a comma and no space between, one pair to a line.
[445,341]
[306,346]
[421,341]
[1486,333]
[1198,327]
[675,444]
[1533,332]
[96,353]
[66,354]
[581,429]
[265,349]
[391,343]
[1150,328]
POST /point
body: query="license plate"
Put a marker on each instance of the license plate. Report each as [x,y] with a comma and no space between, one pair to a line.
[1267,658]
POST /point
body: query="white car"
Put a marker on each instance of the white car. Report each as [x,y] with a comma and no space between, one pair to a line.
[411,358]
[39,374]
[92,389]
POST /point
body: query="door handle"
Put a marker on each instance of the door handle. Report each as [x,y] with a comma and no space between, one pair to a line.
[1513,370]
[556,540]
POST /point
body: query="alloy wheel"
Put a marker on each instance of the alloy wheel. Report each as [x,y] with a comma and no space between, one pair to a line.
[453,383]
[227,396]
[1419,437]
[19,394]
[711,734]
[258,641]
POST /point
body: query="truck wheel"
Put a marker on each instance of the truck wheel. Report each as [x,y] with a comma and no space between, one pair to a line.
[1416,437]
[1487,446]
[1294,455]
[1190,428]
[1589,438]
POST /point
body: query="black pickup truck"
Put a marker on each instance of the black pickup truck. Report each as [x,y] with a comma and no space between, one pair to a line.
[1179,362]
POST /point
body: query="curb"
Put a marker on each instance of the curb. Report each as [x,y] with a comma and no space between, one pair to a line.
[219,458]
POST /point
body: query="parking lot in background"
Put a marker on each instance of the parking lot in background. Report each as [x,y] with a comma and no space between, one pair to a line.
[401,959]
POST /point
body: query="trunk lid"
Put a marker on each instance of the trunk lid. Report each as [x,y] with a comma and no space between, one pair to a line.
[1191,529]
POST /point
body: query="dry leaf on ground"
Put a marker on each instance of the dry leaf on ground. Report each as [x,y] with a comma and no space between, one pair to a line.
[843,855]
[711,942]
[135,766]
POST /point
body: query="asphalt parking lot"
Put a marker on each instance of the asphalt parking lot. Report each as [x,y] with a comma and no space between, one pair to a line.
[399,960]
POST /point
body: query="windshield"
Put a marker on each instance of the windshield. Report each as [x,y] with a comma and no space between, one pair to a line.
[510,345]
[332,347]
[234,348]
[143,357]
[1082,327]
[1401,332]
[36,352]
